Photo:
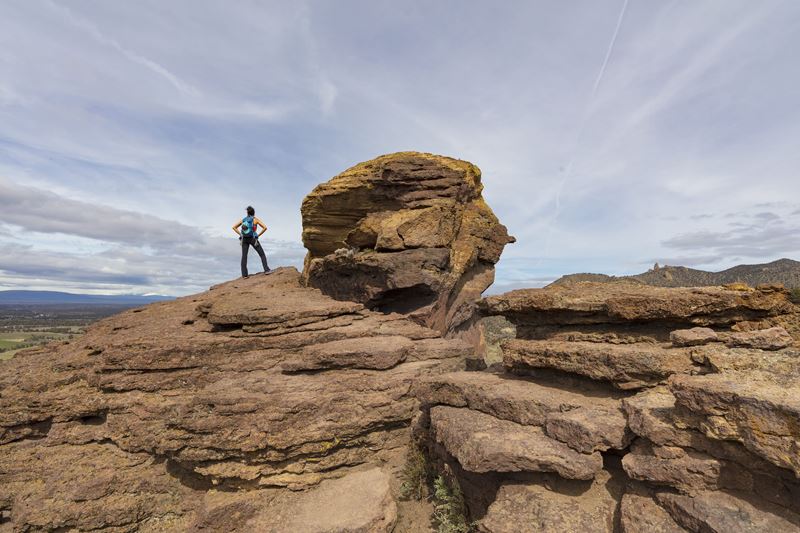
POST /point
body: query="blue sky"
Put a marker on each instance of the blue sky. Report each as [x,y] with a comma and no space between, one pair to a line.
[132,134]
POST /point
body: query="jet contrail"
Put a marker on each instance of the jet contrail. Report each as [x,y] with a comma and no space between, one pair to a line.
[610,49]
[94,32]
[567,169]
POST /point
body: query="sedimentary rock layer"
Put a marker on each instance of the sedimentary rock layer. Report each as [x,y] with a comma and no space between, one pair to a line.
[627,366]
[620,303]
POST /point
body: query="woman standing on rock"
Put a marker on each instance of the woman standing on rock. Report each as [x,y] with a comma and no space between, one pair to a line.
[248,236]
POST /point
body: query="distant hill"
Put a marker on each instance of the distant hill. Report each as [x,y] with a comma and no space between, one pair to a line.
[784,271]
[53,297]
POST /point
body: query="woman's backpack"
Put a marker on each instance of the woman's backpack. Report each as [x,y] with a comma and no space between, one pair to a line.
[248,226]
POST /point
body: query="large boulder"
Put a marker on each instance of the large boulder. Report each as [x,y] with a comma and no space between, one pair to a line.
[407,232]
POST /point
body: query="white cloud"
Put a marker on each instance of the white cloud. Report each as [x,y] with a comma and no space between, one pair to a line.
[126,251]
[40,211]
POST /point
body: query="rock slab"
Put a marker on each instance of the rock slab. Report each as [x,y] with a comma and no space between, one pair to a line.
[536,508]
[483,443]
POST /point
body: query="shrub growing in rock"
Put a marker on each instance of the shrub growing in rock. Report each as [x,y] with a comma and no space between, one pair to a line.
[415,475]
[794,296]
[449,510]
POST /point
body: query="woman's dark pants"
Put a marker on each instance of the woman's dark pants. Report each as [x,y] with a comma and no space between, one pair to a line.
[247,242]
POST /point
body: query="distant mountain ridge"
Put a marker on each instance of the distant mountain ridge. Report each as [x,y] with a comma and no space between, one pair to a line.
[21,297]
[783,271]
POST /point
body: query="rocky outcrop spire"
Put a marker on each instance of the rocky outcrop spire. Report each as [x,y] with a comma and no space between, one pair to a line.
[406,232]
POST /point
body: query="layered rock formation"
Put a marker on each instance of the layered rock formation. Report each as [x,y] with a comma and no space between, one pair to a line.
[195,413]
[622,407]
[406,232]
[263,404]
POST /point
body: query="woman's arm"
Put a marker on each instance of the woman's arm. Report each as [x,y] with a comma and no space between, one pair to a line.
[259,223]
[236,228]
